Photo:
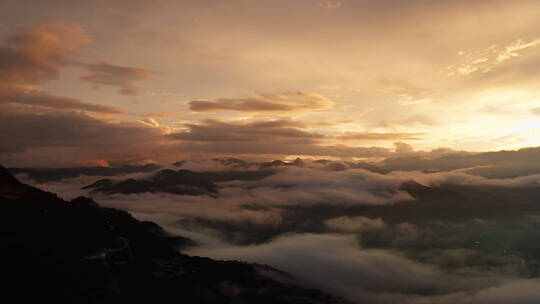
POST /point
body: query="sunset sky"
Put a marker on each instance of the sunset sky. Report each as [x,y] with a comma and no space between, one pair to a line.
[417,125]
[112,82]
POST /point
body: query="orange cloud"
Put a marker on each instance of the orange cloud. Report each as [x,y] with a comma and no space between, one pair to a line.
[274,137]
[283,102]
[35,53]
[20,95]
[378,136]
[118,76]
[40,137]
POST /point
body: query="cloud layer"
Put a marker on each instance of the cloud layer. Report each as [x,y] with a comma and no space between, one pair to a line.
[123,78]
[284,102]
[336,263]
[405,236]
[27,135]
[35,53]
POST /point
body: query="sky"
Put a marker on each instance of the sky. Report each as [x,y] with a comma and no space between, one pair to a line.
[116,82]
[411,103]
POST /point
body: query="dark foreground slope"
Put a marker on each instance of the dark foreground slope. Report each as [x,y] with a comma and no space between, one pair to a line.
[54,251]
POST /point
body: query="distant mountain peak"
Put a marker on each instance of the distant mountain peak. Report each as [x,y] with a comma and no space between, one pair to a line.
[298,162]
[102,183]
